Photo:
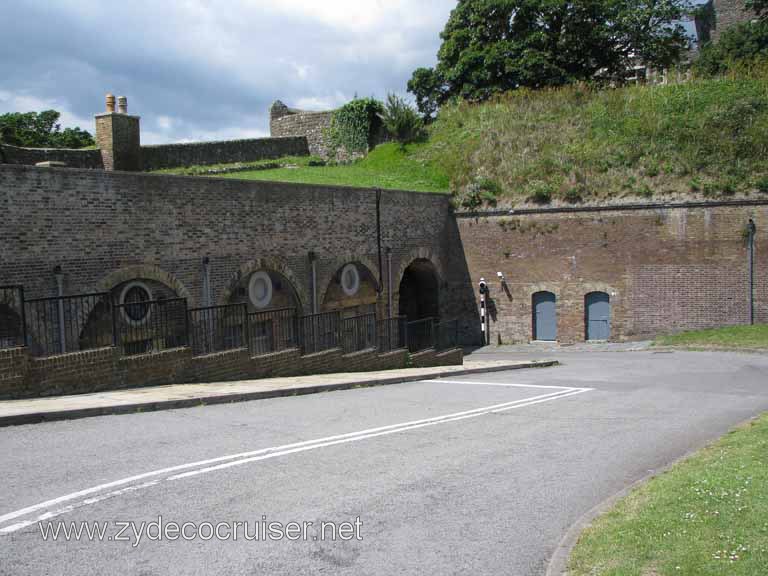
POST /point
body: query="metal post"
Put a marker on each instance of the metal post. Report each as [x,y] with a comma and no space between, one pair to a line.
[751,229]
[60,286]
[23,306]
[313,263]
[389,282]
[186,320]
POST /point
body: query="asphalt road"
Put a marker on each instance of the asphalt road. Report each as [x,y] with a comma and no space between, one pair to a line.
[446,478]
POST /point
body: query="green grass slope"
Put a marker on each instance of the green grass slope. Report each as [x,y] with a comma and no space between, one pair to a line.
[387,166]
[706,138]
[730,337]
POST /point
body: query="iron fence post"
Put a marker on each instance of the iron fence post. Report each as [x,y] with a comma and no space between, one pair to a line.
[186,320]
[23,306]
[113,307]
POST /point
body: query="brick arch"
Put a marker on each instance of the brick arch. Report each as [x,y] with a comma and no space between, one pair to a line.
[265,263]
[415,255]
[333,266]
[410,258]
[149,272]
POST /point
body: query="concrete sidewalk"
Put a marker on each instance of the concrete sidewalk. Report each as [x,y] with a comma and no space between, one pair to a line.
[29,411]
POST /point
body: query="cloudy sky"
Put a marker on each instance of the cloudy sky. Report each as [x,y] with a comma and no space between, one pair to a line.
[205,69]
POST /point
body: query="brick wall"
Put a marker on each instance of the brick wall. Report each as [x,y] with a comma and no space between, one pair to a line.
[31,156]
[107,228]
[206,153]
[104,369]
[665,269]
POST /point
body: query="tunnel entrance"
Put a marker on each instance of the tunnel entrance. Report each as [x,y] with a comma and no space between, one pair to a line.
[419,291]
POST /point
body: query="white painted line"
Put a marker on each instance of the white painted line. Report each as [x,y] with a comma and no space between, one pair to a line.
[223,462]
[480,383]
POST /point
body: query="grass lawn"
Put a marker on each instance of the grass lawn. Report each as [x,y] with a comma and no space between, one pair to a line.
[731,337]
[385,167]
[707,516]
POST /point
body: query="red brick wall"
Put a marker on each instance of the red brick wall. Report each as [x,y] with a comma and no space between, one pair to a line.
[666,269]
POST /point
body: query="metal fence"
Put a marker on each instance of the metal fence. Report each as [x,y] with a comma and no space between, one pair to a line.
[447,334]
[272,330]
[12,324]
[358,333]
[218,328]
[151,326]
[318,332]
[63,324]
[422,334]
[392,334]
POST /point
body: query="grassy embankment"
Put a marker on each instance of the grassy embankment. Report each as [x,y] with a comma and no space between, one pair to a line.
[706,516]
[737,337]
[706,138]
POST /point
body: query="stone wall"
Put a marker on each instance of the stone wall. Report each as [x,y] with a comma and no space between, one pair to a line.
[285,122]
[666,269]
[104,369]
[31,156]
[729,13]
[229,151]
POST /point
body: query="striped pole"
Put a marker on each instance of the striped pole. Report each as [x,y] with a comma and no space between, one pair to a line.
[483,317]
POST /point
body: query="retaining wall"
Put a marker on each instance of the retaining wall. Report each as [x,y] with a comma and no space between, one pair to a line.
[71,157]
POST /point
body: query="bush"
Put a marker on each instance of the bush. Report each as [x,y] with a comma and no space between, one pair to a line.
[738,46]
[401,120]
[353,124]
[540,192]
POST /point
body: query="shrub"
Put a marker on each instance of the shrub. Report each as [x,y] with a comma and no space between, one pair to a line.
[352,125]
[540,192]
[401,120]
[762,184]
[483,191]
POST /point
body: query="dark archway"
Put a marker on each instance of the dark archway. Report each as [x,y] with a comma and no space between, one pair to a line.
[11,330]
[419,291]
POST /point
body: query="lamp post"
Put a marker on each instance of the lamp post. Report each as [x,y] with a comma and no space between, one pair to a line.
[751,230]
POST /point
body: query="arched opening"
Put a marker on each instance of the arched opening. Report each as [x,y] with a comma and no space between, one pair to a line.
[352,290]
[544,306]
[597,316]
[272,302]
[419,297]
[11,330]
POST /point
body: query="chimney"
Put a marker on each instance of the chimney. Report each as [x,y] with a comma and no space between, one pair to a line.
[118,136]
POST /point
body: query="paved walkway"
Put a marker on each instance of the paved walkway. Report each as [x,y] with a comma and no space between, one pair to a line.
[14,412]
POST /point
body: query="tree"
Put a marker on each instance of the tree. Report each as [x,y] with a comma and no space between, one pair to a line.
[41,130]
[740,44]
[759,7]
[401,120]
[492,46]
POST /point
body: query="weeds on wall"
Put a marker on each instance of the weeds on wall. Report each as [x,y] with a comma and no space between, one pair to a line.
[353,124]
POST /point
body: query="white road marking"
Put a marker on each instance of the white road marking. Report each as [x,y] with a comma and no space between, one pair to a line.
[224,462]
[507,384]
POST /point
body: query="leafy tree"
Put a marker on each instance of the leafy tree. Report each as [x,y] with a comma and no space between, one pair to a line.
[401,120]
[738,45]
[41,130]
[759,7]
[492,46]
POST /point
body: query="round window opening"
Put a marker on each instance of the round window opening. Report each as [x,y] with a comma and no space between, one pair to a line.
[350,280]
[134,299]
[260,289]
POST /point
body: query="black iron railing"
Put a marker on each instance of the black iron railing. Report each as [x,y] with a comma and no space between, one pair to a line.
[422,334]
[151,326]
[218,328]
[272,330]
[392,334]
[319,332]
[358,333]
[59,325]
[12,323]
[447,334]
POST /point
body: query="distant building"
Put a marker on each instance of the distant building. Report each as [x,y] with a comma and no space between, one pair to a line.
[728,13]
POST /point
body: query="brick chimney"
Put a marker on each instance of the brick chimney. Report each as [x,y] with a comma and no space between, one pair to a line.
[118,136]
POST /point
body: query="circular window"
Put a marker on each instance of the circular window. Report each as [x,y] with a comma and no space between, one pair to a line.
[260,289]
[350,280]
[134,298]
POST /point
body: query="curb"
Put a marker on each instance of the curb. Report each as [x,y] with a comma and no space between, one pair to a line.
[77,413]
[558,562]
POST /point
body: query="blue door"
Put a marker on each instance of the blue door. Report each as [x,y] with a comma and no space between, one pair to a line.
[598,316]
[544,316]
